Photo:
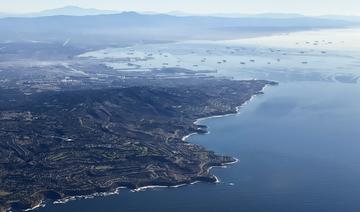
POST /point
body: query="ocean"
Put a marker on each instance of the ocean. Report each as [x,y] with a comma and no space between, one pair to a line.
[298,144]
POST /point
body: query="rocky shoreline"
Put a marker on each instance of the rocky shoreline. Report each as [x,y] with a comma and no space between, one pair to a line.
[149,150]
[133,188]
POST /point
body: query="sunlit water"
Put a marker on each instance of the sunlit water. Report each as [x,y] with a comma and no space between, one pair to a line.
[298,144]
[329,55]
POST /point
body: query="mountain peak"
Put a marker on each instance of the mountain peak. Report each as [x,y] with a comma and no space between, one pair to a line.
[73,11]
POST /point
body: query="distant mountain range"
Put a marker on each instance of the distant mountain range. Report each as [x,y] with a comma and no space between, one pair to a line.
[78,11]
[94,27]
[240,15]
[68,11]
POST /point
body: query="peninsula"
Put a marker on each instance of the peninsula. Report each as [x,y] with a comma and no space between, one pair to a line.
[59,144]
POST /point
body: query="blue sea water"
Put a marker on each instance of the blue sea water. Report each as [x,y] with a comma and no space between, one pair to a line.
[298,144]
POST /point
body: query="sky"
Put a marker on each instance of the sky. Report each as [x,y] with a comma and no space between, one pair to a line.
[306,7]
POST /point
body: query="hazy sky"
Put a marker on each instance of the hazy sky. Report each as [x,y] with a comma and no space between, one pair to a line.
[309,7]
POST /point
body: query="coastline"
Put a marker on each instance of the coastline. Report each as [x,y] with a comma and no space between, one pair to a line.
[117,190]
[185,138]
[185,184]
[90,196]
[40,205]
[238,110]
